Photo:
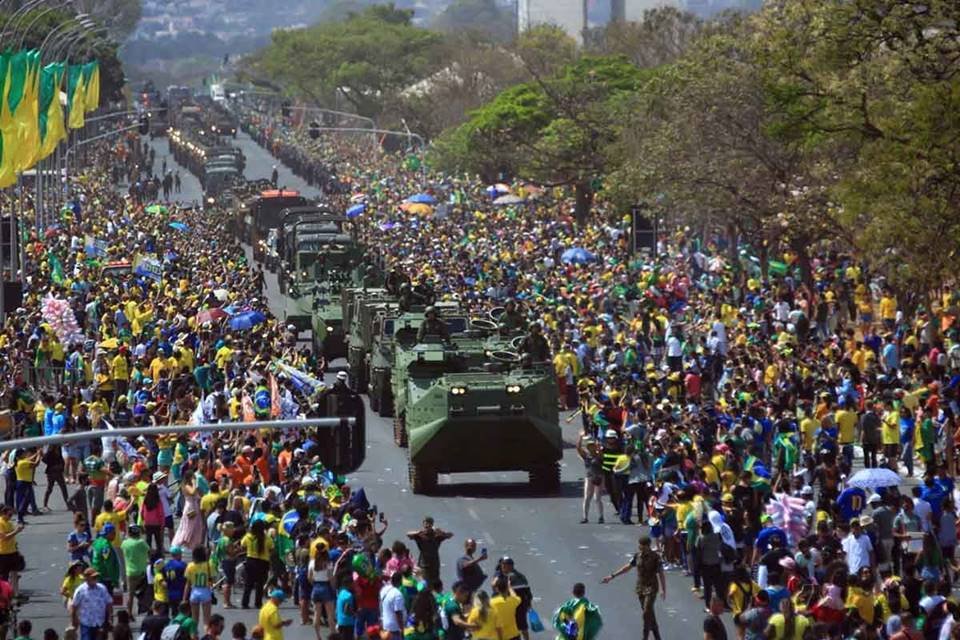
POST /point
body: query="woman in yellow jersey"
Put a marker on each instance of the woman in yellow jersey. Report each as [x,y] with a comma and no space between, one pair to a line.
[72,580]
[259,547]
[160,593]
[199,592]
[482,620]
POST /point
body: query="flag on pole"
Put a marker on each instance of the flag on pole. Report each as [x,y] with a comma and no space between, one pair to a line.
[92,89]
[56,268]
[8,131]
[76,98]
[29,122]
[51,112]
[246,408]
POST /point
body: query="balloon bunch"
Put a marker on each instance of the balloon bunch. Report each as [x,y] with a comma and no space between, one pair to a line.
[788,514]
[58,314]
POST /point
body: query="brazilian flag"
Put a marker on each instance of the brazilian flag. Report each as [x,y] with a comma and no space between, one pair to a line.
[760,474]
[577,619]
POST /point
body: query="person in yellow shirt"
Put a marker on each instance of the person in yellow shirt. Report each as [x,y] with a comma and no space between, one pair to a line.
[890,432]
[808,429]
[223,355]
[482,619]
[110,515]
[504,606]
[10,560]
[259,548]
[888,310]
[209,502]
[269,618]
[25,468]
[159,582]
[846,422]
[120,371]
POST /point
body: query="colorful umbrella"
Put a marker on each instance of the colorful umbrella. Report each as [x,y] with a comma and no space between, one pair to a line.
[179,226]
[416,208]
[422,198]
[246,320]
[576,255]
[356,210]
[508,199]
[156,208]
[210,315]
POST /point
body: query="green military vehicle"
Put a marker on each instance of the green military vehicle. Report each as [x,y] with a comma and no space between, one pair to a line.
[360,308]
[463,411]
[393,328]
[320,257]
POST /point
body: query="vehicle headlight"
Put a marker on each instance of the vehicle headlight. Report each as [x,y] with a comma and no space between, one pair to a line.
[329,329]
[210,200]
[513,388]
[458,391]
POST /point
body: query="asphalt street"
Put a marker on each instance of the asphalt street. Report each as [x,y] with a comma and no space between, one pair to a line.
[541,533]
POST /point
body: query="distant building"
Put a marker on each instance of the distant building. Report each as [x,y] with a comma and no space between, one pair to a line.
[571,15]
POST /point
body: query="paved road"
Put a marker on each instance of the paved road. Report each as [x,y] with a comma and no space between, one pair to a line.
[542,534]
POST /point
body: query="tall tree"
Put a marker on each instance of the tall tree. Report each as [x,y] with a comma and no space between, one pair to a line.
[878,83]
[366,59]
[554,130]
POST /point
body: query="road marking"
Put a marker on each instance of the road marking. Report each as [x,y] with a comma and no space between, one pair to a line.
[473,513]
[488,538]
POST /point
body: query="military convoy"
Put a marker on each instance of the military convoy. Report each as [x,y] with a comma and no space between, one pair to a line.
[461,398]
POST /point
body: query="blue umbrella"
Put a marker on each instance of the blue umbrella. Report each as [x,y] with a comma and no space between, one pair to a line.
[577,255]
[422,198]
[386,226]
[246,320]
[356,210]
[179,226]
[874,478]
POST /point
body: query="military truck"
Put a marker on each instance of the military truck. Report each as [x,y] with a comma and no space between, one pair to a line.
[321,257]
[393,325]
[360,308]
[461,415]
[263,213]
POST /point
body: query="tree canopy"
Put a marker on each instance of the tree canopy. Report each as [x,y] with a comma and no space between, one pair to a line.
[366,59]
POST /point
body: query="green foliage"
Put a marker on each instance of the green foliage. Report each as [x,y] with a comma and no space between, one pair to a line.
[485,17]
[368,58]
[553,130]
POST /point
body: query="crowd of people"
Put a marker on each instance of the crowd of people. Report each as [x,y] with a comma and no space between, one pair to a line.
[748,418]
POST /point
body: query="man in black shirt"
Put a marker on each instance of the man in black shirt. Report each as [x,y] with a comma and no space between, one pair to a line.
[429,539]
[468,566]
[152,626]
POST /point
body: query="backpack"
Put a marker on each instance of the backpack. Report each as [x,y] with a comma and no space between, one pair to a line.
[174,631]
[728,553]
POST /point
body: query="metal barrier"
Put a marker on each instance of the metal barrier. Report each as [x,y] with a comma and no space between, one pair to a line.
[344,449]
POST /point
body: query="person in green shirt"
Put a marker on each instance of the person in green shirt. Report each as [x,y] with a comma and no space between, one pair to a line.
[188,624]
[103,557]
[136,555]
[928,437]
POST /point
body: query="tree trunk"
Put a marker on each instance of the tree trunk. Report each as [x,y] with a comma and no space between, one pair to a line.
[806,269]
[584,201]
[764,261]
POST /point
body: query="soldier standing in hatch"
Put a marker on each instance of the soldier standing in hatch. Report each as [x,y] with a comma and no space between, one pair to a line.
[432,326]
[512,321]
[535,345]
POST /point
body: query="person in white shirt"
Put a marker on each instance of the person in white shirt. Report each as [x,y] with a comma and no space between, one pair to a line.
[393,611]
[857,548]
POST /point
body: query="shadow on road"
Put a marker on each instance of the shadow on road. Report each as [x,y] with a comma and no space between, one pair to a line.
[496,490]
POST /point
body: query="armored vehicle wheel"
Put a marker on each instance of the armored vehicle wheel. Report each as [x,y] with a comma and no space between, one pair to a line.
[399,430]
[422,479]
[545,477]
